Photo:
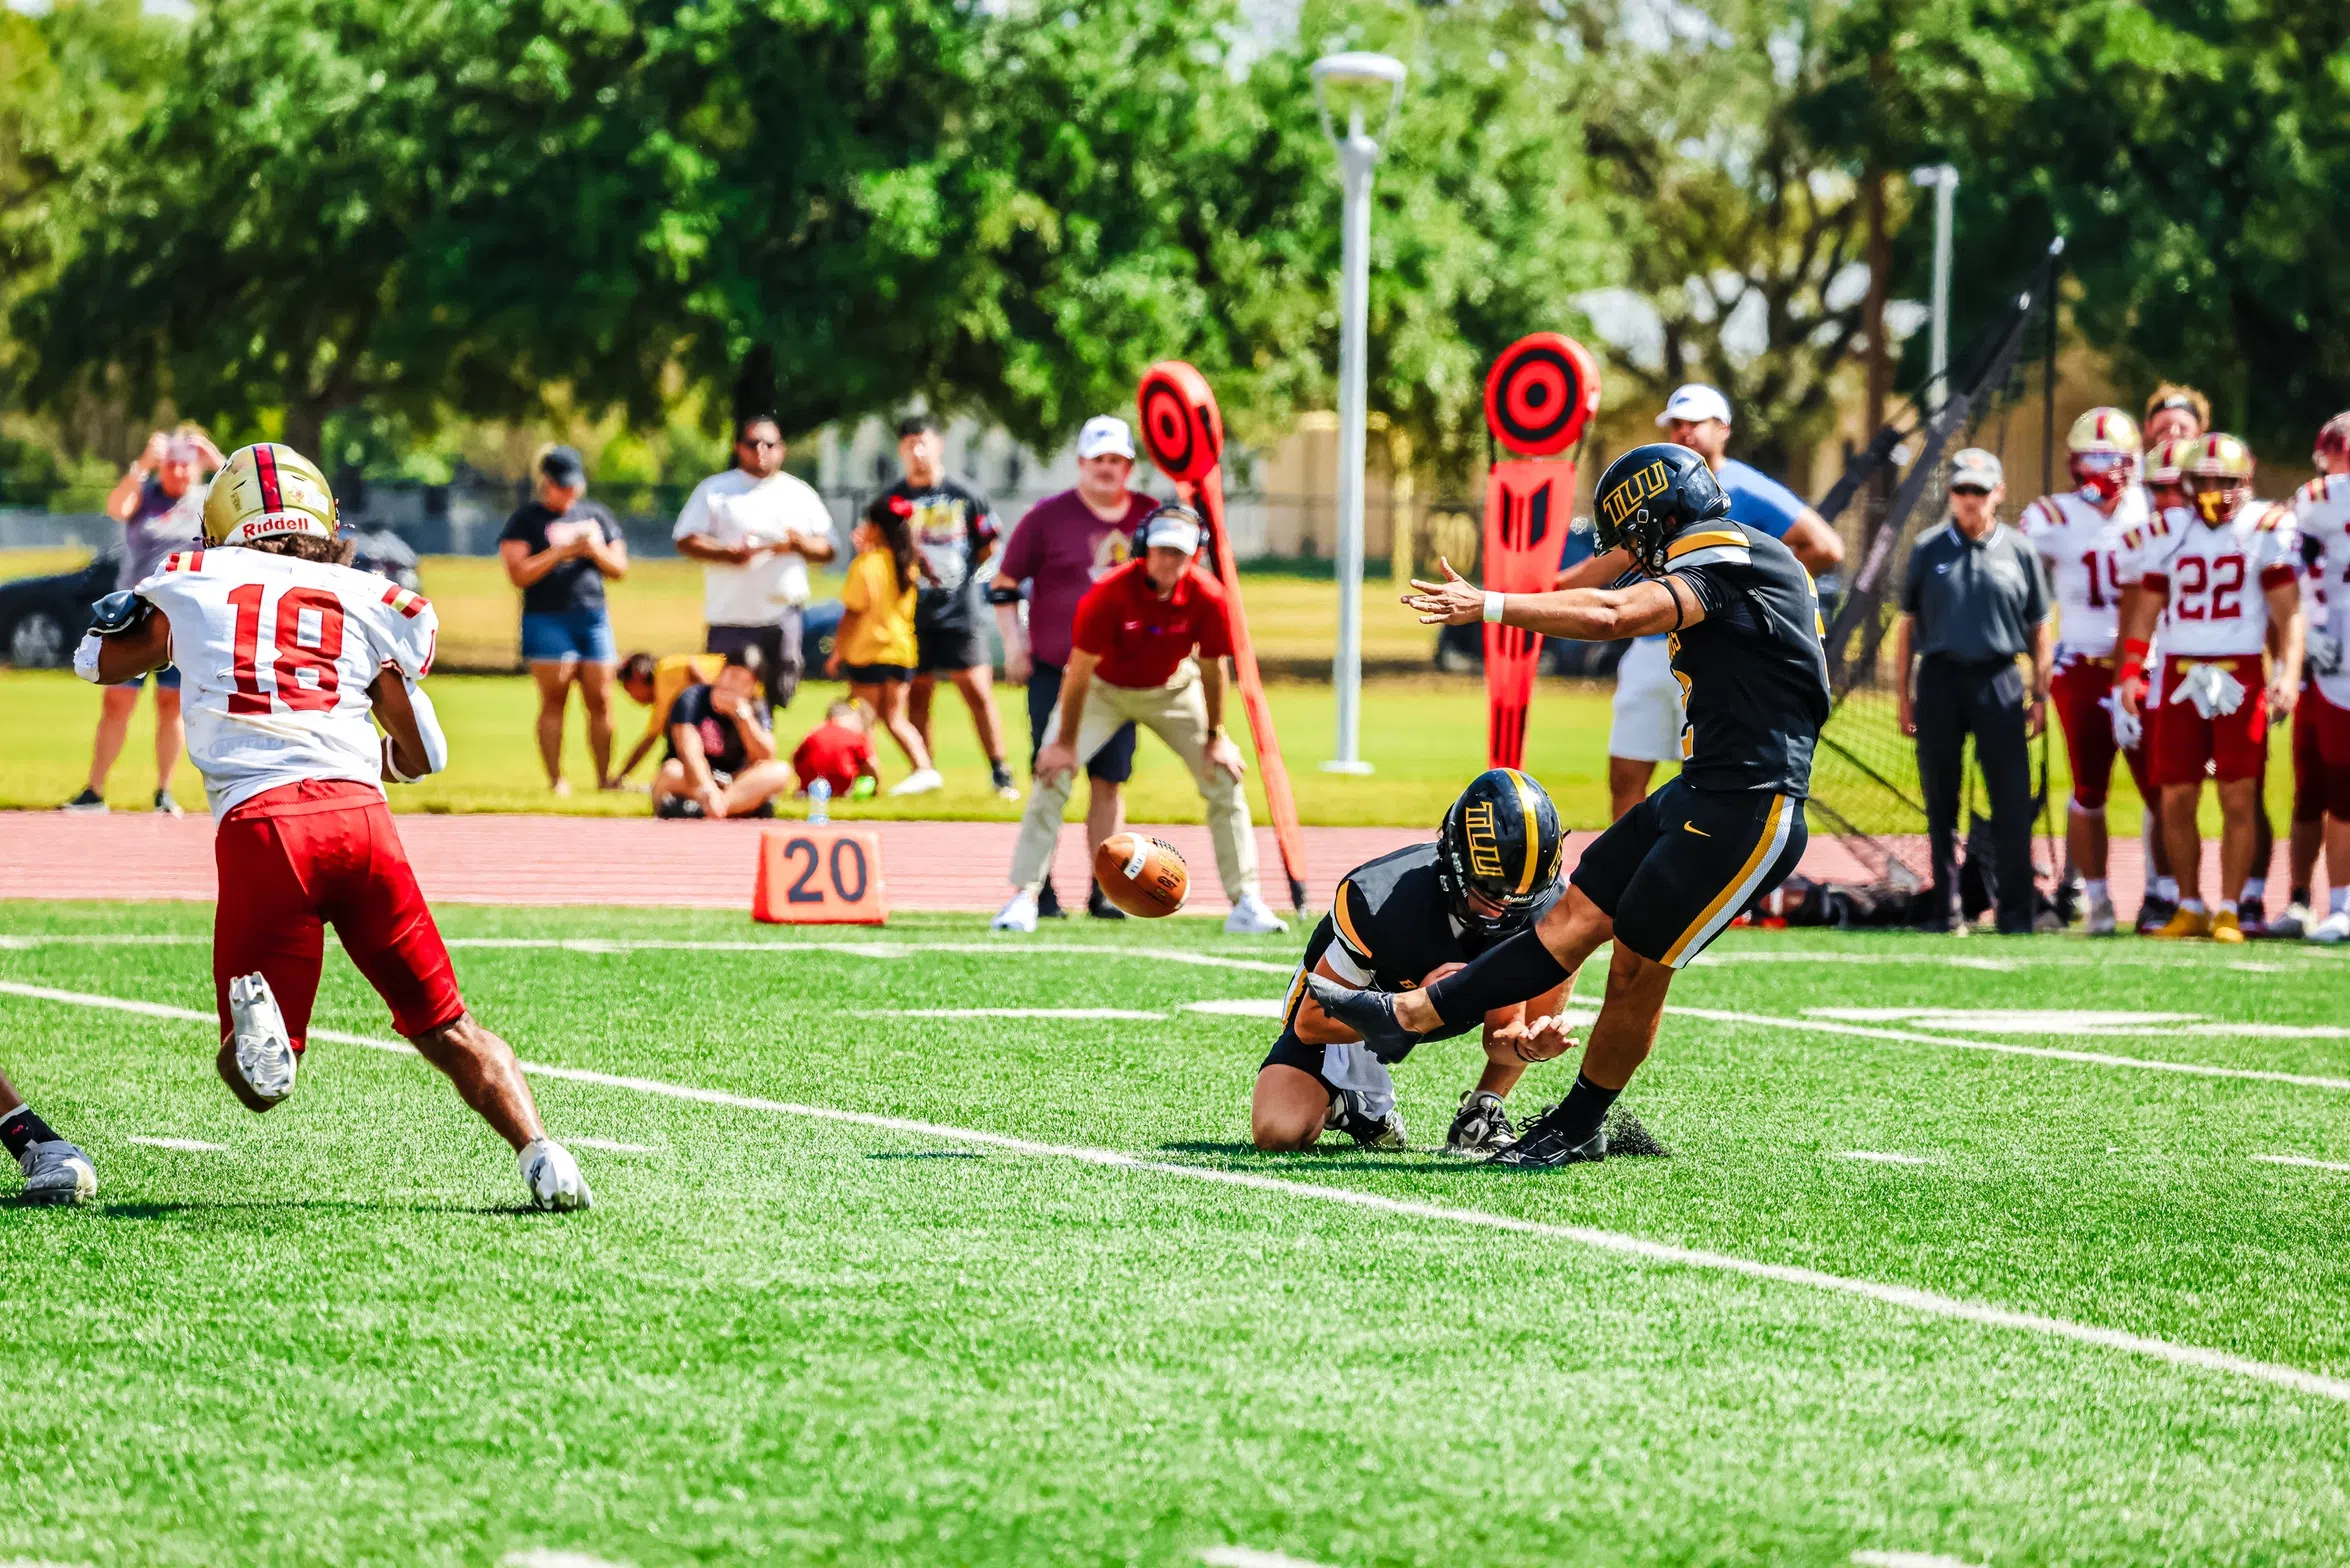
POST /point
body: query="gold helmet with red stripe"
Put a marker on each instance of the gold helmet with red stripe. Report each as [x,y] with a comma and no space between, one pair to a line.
[2163,460]
[2103,430]
[2103,444]
[265,492]
[2218,469]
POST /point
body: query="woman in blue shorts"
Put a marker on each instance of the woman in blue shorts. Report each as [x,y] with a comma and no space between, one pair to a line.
[558,549]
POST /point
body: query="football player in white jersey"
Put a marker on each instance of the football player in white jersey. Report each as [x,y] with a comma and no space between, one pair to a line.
[2079,534]
[2169,508]
[288,660]
[2322,510]
[2224,583]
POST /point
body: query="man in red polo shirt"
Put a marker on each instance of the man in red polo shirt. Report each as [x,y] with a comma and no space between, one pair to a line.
[1136,634]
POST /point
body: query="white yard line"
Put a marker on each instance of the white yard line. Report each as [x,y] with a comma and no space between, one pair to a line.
[542,1558]
[1250,1557]
[1908,1560]
[1008,1012]
[2301,1160]
[184,1145]
[2005,1048]
[1927,1302]
[1880,1157]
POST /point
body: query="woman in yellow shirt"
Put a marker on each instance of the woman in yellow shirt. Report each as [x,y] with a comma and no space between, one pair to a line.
[875,646]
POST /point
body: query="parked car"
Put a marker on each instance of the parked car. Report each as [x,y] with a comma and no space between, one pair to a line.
[386,554]
[41,618]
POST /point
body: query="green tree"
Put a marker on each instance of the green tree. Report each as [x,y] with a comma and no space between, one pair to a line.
[2193,152]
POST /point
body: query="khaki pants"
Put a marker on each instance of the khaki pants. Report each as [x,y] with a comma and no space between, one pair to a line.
[1178,714]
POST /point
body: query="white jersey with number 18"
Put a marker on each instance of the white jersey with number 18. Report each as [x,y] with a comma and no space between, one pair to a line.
[275,657]
[2082,547]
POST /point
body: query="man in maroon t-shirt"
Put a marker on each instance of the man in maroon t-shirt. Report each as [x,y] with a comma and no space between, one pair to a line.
[1064,545]
[1132,660]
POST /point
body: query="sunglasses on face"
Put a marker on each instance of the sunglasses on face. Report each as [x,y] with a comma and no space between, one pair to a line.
[759,444]
[1968,490]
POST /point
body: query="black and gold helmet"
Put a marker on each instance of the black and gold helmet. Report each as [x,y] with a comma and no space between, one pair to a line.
[1502,839]
[1650,494]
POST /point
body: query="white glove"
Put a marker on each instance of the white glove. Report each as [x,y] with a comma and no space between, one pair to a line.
[2211,690]
[2128,728]
[2324,652]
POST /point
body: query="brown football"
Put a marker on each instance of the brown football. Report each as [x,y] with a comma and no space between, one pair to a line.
[1143,876]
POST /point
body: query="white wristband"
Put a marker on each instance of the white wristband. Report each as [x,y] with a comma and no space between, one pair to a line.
[85,658]
[1493,608]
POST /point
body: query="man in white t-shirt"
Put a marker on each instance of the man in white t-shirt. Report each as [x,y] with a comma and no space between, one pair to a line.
[755,528]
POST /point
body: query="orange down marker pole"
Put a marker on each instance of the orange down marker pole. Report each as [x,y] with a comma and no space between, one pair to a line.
[1183,431]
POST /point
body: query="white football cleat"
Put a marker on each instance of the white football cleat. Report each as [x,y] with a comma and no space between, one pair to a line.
[553,1177]
[919,782]
[265,1052]
[2332,929]
[57,1172]
[1018,915]
[1250,917]
[2293,924]
[2101,921]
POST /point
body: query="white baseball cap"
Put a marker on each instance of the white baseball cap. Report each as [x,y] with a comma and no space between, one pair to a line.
[1105,433]
[1694,402]
[1173,530]
[1974,467]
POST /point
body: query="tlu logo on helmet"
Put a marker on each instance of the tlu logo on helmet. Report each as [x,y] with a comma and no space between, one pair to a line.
[1484,841]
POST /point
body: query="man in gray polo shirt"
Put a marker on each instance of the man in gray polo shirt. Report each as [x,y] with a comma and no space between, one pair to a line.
[1973,602]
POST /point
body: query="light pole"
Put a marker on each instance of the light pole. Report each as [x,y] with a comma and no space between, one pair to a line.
[1360,76]
[1942,180]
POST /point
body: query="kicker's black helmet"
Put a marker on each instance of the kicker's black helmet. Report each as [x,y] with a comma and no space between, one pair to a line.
[1502,839]
[1650,494]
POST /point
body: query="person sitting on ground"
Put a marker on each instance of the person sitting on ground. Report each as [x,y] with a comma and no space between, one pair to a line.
[722,759]
[875,646]
[655,684]
[839,752]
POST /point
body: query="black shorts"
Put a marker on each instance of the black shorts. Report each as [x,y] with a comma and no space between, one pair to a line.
[1289,1050]
[779,644]
[1113,764]
[950,631]
[876,674]
[1685,862]
[684,808]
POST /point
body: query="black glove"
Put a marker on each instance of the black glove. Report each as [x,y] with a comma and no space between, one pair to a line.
[121,611]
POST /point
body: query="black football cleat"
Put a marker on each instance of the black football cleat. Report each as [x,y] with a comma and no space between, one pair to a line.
[1346,1115]
[1481,1127]
[1370,1014]
[1544,1147]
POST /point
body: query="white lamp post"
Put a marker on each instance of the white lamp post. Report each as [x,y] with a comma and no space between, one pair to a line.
[1360,77]
[1942,180]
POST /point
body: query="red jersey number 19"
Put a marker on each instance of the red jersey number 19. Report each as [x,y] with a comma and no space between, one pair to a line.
[293,652]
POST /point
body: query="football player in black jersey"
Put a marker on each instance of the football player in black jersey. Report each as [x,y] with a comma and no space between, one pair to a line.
[1664,881]
[1398,922]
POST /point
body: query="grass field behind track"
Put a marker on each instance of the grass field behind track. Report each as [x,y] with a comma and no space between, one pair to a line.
[782,1338]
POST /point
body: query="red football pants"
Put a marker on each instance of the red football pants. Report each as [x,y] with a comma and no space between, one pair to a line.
[2233,745]
[301,855]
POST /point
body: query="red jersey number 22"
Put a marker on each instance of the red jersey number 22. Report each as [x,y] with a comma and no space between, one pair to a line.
[294,652]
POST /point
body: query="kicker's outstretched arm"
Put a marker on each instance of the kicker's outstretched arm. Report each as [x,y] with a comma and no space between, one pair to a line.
[1582,614]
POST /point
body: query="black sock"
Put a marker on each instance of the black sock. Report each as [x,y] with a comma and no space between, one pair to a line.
[1578,1116]
[20,1129]
[2300,895]
[1517,969]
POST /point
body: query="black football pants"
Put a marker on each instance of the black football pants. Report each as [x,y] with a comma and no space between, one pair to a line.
[1955,700]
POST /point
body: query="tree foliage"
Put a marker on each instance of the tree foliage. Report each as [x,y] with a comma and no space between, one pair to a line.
[2193,153]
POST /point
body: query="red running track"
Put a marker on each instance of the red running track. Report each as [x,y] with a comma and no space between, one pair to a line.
[640,862]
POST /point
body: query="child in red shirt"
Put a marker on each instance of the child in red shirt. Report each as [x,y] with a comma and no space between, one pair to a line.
[838,751]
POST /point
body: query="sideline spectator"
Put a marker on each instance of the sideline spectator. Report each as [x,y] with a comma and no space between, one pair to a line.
[558,548]
[160,503]
[654,684]
[1972,603]
[1132,662]
[1063,546]
[756,529]
[875,645]
[721,753]
[1645,726]
[955,530]
[839,751]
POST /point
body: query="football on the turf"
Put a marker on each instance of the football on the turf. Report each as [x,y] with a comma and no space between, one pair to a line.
[1143,876]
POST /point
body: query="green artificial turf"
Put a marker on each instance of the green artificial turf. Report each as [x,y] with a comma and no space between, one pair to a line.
[786,1338]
